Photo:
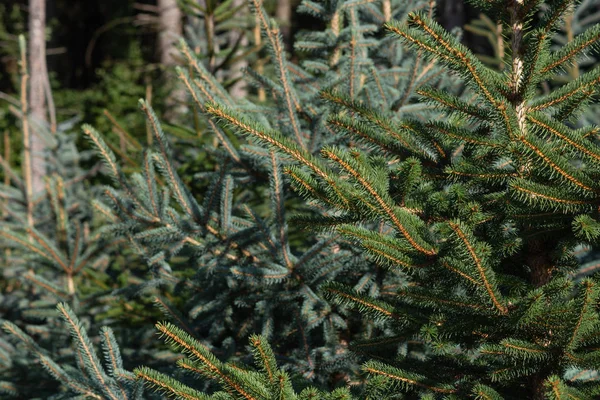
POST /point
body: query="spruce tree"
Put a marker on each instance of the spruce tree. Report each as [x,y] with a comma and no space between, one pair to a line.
[246,268]
[53,249]
[478,211]
[486,210]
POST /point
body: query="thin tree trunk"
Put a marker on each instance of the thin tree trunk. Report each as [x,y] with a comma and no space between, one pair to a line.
[453,14]
[283,14]
[37,89]
[170,30]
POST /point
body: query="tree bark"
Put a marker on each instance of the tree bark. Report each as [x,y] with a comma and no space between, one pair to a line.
[170,31]
[37,90]
[283,14]
[169,16]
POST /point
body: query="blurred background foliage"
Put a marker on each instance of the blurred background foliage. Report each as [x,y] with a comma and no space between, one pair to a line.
[103,54]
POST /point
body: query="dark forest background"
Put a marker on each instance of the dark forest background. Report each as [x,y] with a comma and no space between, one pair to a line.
[88,38]
[102,56]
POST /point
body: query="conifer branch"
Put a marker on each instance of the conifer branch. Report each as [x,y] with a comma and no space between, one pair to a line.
[206,76]
[53,256]
[279,143]
[393,259]
[452,204]
[75,250]
[404,379]
[456,53]
[461,134]
[469,278]
[379,84]
[453,103]
[226,203]
[225,142]
[91,362]
[393,215]
[551,198]
[233,385]
[10,174]
[265,356]
[150,180]
[487,176]
[173,314]
[181,193]
[588,298]
[43,283]
[416,39]
[572,49]
[441,303]
[561,132]
[411,83]
[276,45]
[348,125]
[278,202]
[373,117]
[113,356]
[181,340]
[111,351]
[562,170]
[169,385]
[60,375]
[586,82]
[44,243]
[532,56]
[483,273]
[107,156]
[482,392]
[109,159]
[555,13]
[363,303]
[391,248]
[306,186]
[266,233]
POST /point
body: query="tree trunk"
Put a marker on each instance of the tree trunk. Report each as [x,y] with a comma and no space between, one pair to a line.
[453,14]
[283,14]
[37,90]
[170,30]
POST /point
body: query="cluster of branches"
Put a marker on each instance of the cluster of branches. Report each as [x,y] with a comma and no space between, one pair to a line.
[476,227]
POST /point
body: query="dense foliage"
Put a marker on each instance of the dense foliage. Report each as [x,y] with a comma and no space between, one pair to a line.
[387,218]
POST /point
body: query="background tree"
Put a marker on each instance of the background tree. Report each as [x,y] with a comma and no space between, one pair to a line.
[169,31]
[39,88]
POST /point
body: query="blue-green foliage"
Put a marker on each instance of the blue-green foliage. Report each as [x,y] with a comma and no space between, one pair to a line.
[53,249]
[236,265]
[92,378]
[237,382]
[485,210]
[477,211]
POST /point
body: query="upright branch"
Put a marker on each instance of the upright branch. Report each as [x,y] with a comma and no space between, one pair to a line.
[335,30]
[26,135]
[37,90]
